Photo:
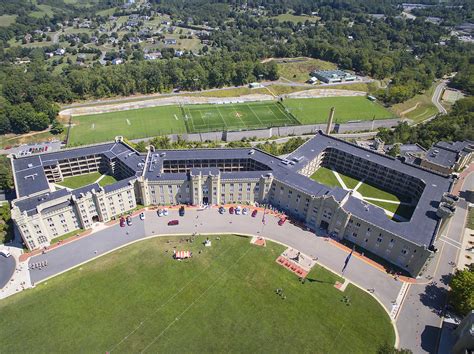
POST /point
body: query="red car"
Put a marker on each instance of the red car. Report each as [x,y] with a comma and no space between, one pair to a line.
[173,222]
[254,213]
[231,210]
[281,221]
[122,222]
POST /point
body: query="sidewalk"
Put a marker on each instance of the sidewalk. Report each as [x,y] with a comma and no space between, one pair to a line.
[20,279]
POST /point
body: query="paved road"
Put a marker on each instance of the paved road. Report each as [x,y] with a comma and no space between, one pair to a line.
[7,267]
[437,97]
[420,317]
[209,221]
[154,96]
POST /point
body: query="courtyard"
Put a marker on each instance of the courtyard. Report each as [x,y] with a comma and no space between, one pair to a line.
[396,207]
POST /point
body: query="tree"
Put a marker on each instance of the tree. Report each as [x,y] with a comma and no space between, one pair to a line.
[6,177]
[462,291]
[395,150]
[56,128]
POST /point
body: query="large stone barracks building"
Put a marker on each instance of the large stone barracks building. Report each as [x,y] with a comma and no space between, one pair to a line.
[43,212]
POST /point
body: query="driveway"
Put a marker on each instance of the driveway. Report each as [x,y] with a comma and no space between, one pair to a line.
[7,267]
[210,221]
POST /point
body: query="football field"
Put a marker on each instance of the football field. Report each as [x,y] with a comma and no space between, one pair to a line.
[236,116]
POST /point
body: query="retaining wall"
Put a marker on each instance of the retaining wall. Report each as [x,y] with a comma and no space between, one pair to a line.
[286,131]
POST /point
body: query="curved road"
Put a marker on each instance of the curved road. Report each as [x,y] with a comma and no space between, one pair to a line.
[7,267]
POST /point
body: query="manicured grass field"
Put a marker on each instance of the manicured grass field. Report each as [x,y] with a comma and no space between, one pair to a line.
[316,110]
[86,179]
[161,120]
[138,299]
[240,116]
[133,124]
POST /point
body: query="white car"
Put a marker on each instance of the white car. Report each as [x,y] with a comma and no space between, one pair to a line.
[5,253]
[142,216]
[238,210]
[160,213]
[165,212]
[245,211]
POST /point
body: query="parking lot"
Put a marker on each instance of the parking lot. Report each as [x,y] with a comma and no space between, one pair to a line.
[32,149]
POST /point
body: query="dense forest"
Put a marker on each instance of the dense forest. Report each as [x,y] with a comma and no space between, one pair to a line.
[408,53]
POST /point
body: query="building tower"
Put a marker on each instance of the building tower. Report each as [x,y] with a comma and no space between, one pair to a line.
[331,117]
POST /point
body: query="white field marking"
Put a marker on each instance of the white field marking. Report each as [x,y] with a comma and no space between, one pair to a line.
[197,299]
[165,303]
[220,114]
[93,126]
[128,122]
[358,185]
[334,341]
[255,114]
[339,179]
[176,117]
[281,110]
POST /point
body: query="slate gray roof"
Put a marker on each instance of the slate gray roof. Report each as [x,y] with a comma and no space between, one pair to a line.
[423,223]
[420,229]
[31,168]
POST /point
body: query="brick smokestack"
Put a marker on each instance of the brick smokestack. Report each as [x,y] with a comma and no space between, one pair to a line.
[331,117]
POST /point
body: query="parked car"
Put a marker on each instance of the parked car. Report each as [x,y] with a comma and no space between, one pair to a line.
[142,216]
[122,222]
[281,221]
[221,210]
[173,222]
[5,253]
[165,212]
[238,210]
[181,211]
[245,211]
[160,212]
[254,213]
[129,220]
[231,210]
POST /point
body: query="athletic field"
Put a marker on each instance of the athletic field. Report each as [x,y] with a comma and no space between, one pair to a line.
[132,124]
[316,110]
[200,118]
[223,300]
[240,116]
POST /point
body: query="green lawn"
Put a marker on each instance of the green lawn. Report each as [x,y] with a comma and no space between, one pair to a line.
[325,176]
[7,20]
[86,179]
[316,110]
[371,191]
[66,236]
[133,124]
[107,180]
[138,299]
[298,69]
